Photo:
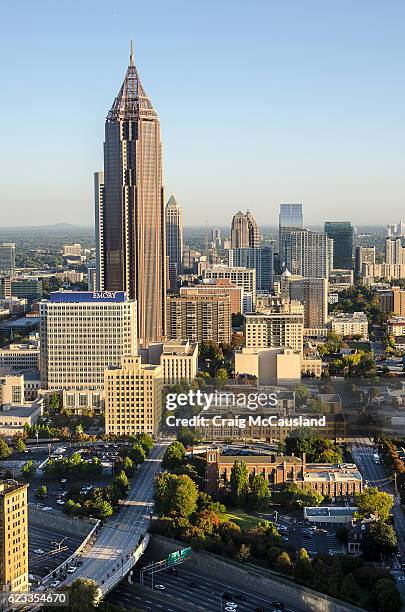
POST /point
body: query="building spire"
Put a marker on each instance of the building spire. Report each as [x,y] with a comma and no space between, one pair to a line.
[131,57]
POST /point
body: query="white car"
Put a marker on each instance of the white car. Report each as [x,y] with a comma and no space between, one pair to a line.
[60,502]
[39,551]
[71,570]
[55,583]
[160,587]
[47,508]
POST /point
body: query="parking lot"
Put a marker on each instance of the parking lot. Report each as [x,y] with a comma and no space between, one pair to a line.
[40,544]
[315,539]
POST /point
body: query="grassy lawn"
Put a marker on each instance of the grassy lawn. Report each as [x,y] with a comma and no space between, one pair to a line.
[244,520]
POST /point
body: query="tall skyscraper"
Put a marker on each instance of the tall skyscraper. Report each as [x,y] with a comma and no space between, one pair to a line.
[131,242]
[13,537]
[99,227]
[394,250]
[290,218]
[174,235]
[7,258]
[341,232]
[244,231]
[308,253]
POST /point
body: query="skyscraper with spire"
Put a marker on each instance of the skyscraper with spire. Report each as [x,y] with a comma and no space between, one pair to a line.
[131,249]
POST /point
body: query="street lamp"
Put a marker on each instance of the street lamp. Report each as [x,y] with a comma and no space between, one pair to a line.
[36,435]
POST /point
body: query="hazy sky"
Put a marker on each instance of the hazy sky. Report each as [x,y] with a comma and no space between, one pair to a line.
[260,102]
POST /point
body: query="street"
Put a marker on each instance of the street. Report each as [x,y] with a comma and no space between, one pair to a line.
[120,535]
[362,450]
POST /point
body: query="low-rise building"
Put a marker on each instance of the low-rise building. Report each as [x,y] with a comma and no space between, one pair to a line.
[20,356]
[271,366]
[14,418]
[337,481]
[396,326]
[350,324]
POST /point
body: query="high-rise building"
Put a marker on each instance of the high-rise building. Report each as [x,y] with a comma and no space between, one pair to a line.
[261,259]
[82,333]
[72,250]
[269,329]
[199,317]
[216,237]
[99,227]
[13,537]
[394,250]
[396,229]
[290,217]
[132,249]
[341,232]
[241,277]
[220,286]
[308,253]
[244,231]
[27,287]
[392,300]
[313,293]
[133,397]
[7,258]
[179,361]
[363,255]
[174,235]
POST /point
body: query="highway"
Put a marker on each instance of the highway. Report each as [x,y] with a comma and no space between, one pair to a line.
[119,536]
[188,590]
[362,450]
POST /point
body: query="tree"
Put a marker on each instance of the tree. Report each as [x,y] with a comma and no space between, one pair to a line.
[28,468]
[283,563]
[187,437]
[137,454]
[350,591]
[379,539]
[239,483]
[54,402]
[302,567]
[84,595]
[302,394]
[146,441]
[174,456]
[175,495]
[308,441]
[387,595]
[244,553]
[222,377]
[42,492]
[259,494]
[18,443]
[373,501]
[5,450]
[121,484]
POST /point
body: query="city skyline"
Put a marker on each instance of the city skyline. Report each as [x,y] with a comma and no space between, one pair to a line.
[328,106]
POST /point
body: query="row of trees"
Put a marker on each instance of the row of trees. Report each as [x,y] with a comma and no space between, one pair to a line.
[74,466]
[17,444]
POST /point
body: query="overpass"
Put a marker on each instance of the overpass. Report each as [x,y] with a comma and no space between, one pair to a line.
[123,538]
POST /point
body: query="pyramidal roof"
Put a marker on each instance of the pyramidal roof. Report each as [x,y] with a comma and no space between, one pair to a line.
[172,202]
[132,100]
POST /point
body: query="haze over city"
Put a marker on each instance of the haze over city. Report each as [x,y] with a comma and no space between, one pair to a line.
[258,105]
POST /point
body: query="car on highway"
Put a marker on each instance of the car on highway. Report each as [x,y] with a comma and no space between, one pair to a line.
[72,569]
[160,587]
[277,606]
[47,508]
[61,502]
[39,551]
[282,528]
[55,583]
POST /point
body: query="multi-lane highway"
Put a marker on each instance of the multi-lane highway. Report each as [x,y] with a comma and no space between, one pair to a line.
[120,535]
[189,590]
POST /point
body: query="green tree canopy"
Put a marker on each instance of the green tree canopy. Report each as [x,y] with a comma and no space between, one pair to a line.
[239,483]
[373,501]
[174,456]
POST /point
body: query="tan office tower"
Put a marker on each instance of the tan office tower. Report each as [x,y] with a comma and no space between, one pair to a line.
[13,537]
[133,397]
[132,249]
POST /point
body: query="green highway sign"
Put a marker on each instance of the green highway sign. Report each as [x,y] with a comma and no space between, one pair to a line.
[178,556]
